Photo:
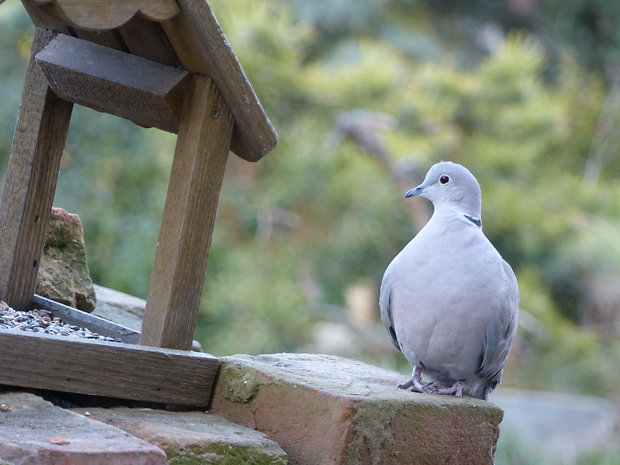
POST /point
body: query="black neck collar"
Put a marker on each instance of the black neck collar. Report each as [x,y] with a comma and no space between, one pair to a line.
[476,221]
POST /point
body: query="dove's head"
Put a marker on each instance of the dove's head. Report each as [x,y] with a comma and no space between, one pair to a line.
[450,185]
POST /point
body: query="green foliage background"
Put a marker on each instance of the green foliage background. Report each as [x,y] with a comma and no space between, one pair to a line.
[511,94]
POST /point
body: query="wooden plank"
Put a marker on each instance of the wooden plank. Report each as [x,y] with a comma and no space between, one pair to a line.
[123,371]
[73,316]
[114,82]
[109,14]
[202,48]
[30,181]
[106,38]
[189,216]
[147,39]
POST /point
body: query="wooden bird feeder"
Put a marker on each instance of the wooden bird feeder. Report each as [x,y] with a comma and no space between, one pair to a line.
[159,63]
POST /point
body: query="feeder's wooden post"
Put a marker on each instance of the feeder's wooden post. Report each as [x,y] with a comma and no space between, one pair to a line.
[175,289]
[30,181]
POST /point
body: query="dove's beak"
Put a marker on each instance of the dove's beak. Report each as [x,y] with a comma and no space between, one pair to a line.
[415,191]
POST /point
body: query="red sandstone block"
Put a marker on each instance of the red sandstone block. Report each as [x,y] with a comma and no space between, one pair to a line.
[194,437]
[326,410]
[34,432]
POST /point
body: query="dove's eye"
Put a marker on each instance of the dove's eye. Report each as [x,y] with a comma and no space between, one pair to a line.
[444,179]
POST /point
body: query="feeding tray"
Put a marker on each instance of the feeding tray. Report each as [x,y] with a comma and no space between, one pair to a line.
[163,64]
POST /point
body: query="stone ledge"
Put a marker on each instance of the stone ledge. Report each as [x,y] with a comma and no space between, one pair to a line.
[329,410]
[191,438]
[33,431]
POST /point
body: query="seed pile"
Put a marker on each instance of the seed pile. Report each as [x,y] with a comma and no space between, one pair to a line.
[42,321]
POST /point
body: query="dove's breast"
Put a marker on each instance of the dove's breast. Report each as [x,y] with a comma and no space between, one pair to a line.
[443,298]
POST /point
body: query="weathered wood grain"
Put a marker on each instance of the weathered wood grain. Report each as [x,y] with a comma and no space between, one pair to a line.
[189,216]
[114,82]
[108,14]
[202,48]
[107,38]
[30,181]
[147,39]
[123,371]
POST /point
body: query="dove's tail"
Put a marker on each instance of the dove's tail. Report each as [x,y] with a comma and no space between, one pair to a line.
[480,390]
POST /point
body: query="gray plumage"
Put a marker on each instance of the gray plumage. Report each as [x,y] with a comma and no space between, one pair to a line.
[448,300]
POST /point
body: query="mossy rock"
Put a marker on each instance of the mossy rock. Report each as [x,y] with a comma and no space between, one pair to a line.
[63,271]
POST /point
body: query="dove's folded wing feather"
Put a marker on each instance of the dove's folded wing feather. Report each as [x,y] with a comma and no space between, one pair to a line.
[501,331]
[385,305]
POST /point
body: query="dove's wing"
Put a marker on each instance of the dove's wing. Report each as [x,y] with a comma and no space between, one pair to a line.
[501,331]
[385,305]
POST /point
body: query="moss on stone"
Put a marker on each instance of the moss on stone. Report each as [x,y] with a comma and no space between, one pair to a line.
[223,454]
[238,383]
[372,431]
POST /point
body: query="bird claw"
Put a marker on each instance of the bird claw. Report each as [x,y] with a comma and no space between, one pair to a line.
[412,386]
[421,387]
[456,389]
[415,383]
[406,385]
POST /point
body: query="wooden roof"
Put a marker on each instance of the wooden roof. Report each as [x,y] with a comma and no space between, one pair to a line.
[180,33]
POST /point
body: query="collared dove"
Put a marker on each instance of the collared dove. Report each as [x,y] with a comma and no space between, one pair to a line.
[448,299]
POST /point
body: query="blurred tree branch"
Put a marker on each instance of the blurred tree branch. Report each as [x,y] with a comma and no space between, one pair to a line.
[363,128]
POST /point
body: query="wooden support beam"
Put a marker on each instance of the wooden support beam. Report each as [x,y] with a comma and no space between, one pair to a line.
[106,38]
[147,39]
[30,181]
[189,216]
[124,371]
[108,80]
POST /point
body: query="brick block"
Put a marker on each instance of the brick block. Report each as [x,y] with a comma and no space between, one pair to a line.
[191,438]
[33,431]
[327,410]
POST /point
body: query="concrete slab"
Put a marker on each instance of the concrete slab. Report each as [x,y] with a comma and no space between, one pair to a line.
[119,307]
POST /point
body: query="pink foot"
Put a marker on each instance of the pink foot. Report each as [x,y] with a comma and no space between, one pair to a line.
[456,389]
[415,382]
